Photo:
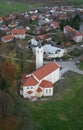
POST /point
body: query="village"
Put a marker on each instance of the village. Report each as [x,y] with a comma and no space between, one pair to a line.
[51,34]
[41,65]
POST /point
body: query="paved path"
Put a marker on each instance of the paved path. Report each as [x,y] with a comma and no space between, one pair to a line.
[69,65]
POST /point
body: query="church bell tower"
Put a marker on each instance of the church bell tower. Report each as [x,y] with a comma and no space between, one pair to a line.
[39,56]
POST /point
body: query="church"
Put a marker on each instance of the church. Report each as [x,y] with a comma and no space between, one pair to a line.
[40,82]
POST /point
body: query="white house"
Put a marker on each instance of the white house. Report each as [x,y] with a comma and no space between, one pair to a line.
[7,38]
[34,42]
[19,33]
[40,82]
[71,33]
[33,11]
[52,52]
[1,20]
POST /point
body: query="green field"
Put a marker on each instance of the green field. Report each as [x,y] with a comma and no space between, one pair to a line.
[81,65]
[63,113]
[79,2]
[8,6]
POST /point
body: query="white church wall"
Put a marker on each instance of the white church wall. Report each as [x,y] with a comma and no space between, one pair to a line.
[54,76]
[26,89]
[47,91]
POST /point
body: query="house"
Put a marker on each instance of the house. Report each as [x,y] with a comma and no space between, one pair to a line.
[44,37]
[54,24]
[62,16]
[34,42]
[3,27]
[7,38]
[40,82]
[1,20]
[12,24]
[69,46]
[78,37]
[33,17]
[52,52]
[73,34]
[19,33]
[33,11]
[46,28]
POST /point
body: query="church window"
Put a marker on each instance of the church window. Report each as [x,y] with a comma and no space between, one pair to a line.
[49,90]
[46,90]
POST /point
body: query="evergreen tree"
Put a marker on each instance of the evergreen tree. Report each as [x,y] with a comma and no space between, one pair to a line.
[4,85]
[76,21]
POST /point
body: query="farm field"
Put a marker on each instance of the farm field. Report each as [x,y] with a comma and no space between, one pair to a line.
[62,113]
[8,6]
[80,2]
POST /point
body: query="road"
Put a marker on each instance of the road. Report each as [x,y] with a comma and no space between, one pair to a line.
[69,65]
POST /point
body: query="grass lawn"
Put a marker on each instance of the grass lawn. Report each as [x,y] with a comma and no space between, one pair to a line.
[63,113]
[8,6]
[76,2]
[81,65]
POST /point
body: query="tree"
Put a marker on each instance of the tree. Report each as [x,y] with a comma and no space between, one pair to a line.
[3,50]
[76,21]
[4,86]
[9,71]
[6,104]
[22,53]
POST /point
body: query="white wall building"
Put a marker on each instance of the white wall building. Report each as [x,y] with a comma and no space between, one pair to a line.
[73,34]
[40,82]
[53,52]
[18,33]
[39,57]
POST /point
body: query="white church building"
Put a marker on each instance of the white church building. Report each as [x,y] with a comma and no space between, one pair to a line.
[40,82]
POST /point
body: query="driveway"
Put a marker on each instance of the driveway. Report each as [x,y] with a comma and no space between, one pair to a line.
[69,65]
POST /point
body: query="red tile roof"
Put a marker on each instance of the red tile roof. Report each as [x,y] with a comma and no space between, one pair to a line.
[18,31]
[46,84]
[54,23]
[7,38]
[33,17]
[45,70]
[70,29]
[39,90]
[42,37]
[62,16]
[78,33]
[30,81]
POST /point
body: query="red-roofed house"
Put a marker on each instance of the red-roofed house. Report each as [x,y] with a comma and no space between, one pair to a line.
[7,38]
[1,20]
[33,17]
[71,33]
[18,33]
[54,24]
[40,82]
